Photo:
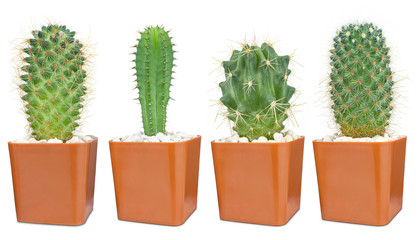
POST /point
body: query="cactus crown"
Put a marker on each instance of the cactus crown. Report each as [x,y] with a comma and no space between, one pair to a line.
[255,92]
[154,63]
[53,82]
[361,81]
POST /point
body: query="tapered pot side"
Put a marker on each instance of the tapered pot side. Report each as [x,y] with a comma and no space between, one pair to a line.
[53,182]
[360,182]
[258,182]
[156,182]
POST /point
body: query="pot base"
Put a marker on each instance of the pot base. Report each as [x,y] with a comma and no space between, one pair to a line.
[360,182]
[258,182]
[156,182]
[53,182]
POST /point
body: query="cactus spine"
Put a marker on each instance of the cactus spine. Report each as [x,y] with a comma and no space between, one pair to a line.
[53,82]
[361,81]
[154,63]
[255,92]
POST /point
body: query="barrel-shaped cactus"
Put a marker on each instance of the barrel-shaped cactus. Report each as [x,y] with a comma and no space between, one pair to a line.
[256,91]
[361,81]
[53,82]
[154,63]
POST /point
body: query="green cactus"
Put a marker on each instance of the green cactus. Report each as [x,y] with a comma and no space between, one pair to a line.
[361,81]
[53,82]
[154,63]
[255,92]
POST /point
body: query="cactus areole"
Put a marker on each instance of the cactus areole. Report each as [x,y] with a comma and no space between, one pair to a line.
[154,63]
[53,82]
[255,91]
[361,81]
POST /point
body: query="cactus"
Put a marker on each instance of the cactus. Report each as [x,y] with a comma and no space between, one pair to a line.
[361,81]
[255,92]
[154,63]
[53,82]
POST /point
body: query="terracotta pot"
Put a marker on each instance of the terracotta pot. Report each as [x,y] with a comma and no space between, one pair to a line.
[360,182]
[156,182]
[258,182]
[53,182]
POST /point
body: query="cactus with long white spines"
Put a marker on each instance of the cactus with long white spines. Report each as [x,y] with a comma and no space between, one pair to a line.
[361,81]
[256,91]
[53,78]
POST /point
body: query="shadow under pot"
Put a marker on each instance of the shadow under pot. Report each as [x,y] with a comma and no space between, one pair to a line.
[360,182]
[53,182]
[156,182]
[258,182]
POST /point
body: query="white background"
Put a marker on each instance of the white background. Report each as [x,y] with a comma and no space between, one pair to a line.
[202,31]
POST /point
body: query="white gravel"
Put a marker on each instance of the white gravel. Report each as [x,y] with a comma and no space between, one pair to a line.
[160,137]
[75,139]
[337,138]
[278,137]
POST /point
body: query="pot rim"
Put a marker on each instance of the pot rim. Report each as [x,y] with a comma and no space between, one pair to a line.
[214,141]
[161,143]
[49,144]
[361,143]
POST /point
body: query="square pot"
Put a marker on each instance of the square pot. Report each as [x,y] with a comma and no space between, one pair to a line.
[53,182]
[258,182]
[360,182]
[156,182]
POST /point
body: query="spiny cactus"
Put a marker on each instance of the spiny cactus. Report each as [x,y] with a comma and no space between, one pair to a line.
[53,84]
[154,63]
[361,81]
[255,92]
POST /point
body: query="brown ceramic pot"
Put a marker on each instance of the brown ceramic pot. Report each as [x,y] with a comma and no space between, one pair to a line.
[156,182]
[53,182]
[258,182]
[360,182]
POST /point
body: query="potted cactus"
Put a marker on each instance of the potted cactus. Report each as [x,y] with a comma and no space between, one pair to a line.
[361,170]
[258,170]
[53,170]
[155,172]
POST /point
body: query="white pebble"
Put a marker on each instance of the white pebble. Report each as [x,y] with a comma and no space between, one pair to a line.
[366,139]
[235,138]
[159,135]
[153,139]
[86,138]
[288,138]
[377,138]
[165,139]
[74,139]
[243,140]
[328,139]
[131,139]
[55,140]
[278,137]
[21,140]
[262,139]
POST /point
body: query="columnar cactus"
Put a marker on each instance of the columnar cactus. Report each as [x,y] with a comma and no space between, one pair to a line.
[154,63]
[361,81]
[255,92]
[53,82]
